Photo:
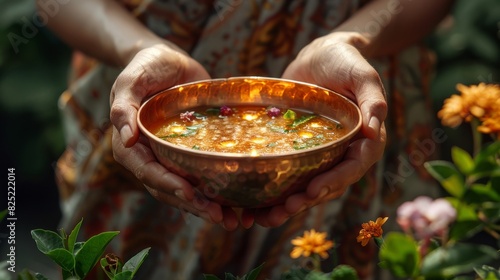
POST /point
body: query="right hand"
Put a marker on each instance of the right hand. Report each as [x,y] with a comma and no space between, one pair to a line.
[151,70]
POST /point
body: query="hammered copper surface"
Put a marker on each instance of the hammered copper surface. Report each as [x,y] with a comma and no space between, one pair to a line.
[240,180]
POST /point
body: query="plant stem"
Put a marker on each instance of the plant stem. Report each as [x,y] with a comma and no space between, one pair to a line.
[476,136]
[315,259]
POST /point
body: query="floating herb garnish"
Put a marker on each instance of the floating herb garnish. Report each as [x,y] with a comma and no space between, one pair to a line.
[279,129]
[213,111]
[189,131]
[290,115]
[302,120]
[200,116]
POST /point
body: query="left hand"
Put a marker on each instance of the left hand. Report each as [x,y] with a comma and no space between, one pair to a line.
[335,62]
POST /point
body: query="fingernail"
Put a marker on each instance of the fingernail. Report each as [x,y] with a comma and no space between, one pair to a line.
[302,208]
[180,194]
[205,216]
[324,192]
[374,124]
[125,134]
[223,225]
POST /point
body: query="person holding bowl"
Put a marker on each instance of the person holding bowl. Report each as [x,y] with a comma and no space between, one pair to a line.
[126,51]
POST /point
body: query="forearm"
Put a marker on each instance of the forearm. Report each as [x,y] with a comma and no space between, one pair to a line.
[100,28]
[392,25]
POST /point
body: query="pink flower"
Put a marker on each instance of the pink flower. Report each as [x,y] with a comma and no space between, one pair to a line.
[187,116]
[226,111]
[273,112]
[426,217]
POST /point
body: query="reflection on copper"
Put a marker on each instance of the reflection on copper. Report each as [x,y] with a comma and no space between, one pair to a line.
[278,175]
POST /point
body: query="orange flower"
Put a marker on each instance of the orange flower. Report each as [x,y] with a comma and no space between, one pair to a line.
[491,123]
[311,243]
[371,229]
[453,112]
[480,101]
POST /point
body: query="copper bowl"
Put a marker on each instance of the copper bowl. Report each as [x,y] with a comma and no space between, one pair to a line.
[246,181]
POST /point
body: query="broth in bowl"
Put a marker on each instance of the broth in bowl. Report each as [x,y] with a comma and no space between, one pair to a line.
[250,130]
[248,142]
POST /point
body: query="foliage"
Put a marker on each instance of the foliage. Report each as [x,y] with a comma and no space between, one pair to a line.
[76,259]
[435,245]
[252,275]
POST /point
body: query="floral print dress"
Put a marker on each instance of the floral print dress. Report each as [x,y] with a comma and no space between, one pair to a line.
[236,38]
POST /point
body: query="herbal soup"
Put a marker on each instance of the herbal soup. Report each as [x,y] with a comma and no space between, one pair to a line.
[253,130]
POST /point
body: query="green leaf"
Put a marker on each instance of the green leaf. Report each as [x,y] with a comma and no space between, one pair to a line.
[289,115]
[63,258]
[399,254]
[136,261]
[488,153]
[478,194]
[465,212]
[467,222]
[68,275]
[495,184]
[229,276]
[91,251]
[39,276]
[3,214]
[302,120]
[456,259]
[344,272]
[72,237]
[294,274]
[124,275]
[199,116]
[462,160]
[465,229]
[47,240]
[25,274]
[254,273]
[104,263]
[491,211]
[485,169]
[448,176]
[317,275]
[213,111]
[485,161]
[77,247]
[487,272]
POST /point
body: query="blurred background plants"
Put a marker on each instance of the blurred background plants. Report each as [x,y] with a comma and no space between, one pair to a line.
[33,73]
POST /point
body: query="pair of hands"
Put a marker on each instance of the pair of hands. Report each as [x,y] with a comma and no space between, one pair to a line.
[333,61]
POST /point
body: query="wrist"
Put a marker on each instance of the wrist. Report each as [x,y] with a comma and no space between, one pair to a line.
[358,40]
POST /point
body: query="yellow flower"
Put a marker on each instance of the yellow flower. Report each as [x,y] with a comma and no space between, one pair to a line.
[311,243]
[371,229]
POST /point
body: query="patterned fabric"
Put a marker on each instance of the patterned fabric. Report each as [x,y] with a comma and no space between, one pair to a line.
[235,38]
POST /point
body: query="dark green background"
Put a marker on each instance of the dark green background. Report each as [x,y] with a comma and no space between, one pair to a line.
[32,78]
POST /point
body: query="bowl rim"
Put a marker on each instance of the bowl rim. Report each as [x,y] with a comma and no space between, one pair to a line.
[326,146]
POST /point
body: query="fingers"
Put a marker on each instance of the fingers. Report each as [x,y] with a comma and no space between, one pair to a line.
[272,216]
[169,188]
[359,158]
[340,67]
[141,161]
[150,71]
[247,218]
[370,96]
[356,79]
